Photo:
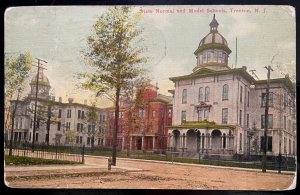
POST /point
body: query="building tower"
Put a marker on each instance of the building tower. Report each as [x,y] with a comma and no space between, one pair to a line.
[43,86]
[213,50]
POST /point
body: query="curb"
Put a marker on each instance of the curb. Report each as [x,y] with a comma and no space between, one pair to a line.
[197,165]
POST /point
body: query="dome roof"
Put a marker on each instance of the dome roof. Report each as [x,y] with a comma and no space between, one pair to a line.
[43,80]
[213,39]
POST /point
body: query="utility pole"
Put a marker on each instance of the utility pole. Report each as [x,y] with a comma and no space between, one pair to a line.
[35,103]
[48,124]
[265,143]
[280,135]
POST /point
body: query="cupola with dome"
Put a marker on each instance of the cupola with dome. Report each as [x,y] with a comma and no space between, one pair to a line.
[43,85]
[213,50]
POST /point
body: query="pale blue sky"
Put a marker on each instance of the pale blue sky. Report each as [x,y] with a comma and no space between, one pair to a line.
[58,35]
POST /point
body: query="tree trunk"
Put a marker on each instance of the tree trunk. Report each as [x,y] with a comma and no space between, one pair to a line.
[12,133]
[115,133]
[12,125]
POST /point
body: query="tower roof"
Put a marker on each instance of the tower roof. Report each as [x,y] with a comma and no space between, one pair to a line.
[214,24]
[213,39]
[43,80]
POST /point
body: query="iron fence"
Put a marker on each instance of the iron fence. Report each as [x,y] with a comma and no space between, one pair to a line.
[53,152]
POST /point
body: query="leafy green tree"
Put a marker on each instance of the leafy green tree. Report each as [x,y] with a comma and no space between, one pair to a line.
[91,120]
[45,115]
[71,136]
[16,73]
[115,53]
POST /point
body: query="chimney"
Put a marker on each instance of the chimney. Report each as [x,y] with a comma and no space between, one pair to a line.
[244,68]
[85,102]
[60,99]
[70,100]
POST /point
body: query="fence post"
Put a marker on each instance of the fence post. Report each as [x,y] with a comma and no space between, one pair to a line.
[82,161]
[55,152]
[109,163]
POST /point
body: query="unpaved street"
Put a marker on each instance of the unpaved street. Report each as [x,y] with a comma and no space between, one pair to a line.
[145,175]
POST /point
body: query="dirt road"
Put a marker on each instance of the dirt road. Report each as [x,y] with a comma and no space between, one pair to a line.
[130,174]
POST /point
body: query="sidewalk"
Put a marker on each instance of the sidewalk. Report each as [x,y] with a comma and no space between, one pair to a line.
[89,167]
[196,165]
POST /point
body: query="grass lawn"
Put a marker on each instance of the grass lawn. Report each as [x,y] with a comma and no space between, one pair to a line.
[20,160]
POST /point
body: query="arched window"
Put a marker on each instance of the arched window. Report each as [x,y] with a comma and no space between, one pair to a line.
[200,97]
[184,96]
[206,94]
[225,92]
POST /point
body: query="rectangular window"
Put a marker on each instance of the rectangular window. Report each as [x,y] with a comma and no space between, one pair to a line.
[142,113]
[247,120]
[215,54]
[38,123]
[270,121]
[78,127]
[80,139]
[224,115]
[153,114]
[220,57]
[183,116]
[25,135]
[69,113]
[248,100]
[77,139]
[79,113]
[59,113]
[58,126]
[241,94]
[37,137]
[200,95]
[204,58]
[88,140]
[241,141]
[264,97]
[269,143]
[82,114]
[241,112]
[68,126]
[206,114]
[206,94]
[184,96]
[200,115]
[102,118]
[225,92]
[208,56]
[170,113]
[290,123]
[89,128]
[121,114]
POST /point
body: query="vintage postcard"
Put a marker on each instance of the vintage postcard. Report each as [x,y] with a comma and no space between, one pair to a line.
[150,97]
